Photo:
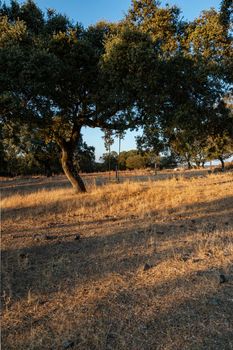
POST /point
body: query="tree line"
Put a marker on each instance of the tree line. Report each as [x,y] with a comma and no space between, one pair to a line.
[152,70]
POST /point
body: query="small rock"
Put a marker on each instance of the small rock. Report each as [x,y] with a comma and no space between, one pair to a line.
[222,278]
[226,253]
[209,253]
[47,237]
[196,260]
[160,232]
[185,257]
[37,237]
[111,336]
[211,227]
[226,223]
[147,267]
[23,256]
[68,344]
[204,273]
[77,237]
[215,301]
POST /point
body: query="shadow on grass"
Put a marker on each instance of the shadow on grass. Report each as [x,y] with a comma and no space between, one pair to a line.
[198,313]
[59,259]
[31,185]
[189,311]
[201,213]
[185,311]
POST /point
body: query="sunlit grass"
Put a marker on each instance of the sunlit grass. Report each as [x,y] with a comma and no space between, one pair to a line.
[95,290]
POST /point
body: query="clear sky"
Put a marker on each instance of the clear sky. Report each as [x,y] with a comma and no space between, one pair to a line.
[91,11]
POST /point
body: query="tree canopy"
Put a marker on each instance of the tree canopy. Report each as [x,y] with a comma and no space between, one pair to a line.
[151,69]
[52,78]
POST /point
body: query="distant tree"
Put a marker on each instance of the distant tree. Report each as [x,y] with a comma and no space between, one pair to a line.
[108,142]
[136,161]
[152,142]
[133,159]
[199,152]
[84,157]
[122,160]
[181,145]
[119,134]
[220,147]
[109,160]
[25,153]
[168,160]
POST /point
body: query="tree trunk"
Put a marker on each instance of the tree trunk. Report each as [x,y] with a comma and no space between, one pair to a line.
[69,169]
[222,163]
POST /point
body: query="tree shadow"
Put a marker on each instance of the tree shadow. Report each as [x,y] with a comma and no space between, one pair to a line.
[94,256]
[34,184]
[221,207]
[189,311]
[194,318]
[61,263]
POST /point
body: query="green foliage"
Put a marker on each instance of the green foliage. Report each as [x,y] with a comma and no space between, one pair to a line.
[11,34]
[24,152]
[123,157]
[108,139]
[151,139]
[219,147]
[28,12]
[152,70]
[109,161]
[226,14]
[196,77]
[168,161]
[84,157]
[52,78]
[125,160]
[136,161]
[163,24]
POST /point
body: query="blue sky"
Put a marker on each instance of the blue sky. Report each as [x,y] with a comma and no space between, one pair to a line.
[91,11]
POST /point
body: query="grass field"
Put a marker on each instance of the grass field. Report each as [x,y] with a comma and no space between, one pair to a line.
[131,266]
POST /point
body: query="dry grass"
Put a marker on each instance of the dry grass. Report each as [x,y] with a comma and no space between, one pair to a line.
[94,291]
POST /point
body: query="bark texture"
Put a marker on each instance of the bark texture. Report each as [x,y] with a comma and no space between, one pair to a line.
[67,160]
[222,163]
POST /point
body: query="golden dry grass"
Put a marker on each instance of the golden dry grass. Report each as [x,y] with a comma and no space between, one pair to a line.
[93,292]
